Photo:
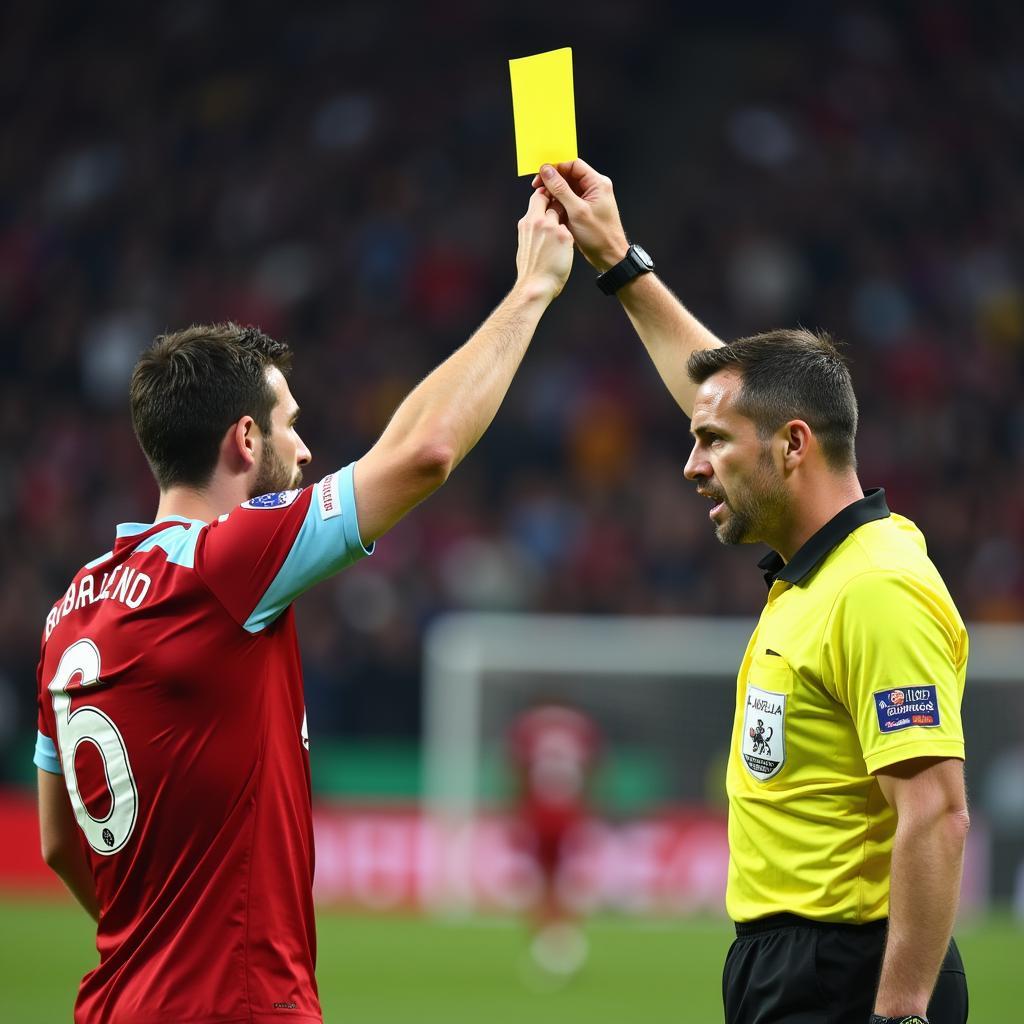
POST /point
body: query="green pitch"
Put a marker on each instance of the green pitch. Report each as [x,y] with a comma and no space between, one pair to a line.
[414,971]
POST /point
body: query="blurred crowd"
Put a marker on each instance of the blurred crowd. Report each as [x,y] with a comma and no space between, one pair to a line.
[343,176]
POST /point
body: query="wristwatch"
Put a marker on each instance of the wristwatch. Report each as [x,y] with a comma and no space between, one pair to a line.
[633,264]
[914,1018]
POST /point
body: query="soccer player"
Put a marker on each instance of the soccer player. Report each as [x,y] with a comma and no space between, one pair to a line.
[847,812]
[174,785]
[553,749]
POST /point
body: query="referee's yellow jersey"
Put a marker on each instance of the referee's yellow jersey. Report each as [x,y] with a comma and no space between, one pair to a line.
[858,662]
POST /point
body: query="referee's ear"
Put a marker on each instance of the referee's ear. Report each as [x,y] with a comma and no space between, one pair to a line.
[797,440]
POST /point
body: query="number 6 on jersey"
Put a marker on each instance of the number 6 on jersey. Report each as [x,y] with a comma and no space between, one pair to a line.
[90,725]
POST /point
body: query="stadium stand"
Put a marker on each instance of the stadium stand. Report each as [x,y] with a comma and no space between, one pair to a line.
[351,189]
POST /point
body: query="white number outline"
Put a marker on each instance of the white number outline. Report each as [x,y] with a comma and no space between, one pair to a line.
[88,724]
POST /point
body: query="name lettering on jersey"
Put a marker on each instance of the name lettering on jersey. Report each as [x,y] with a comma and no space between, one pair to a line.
[330,506]
[86,593]
[763,740]
[276,499]
[907,706]
[123,584]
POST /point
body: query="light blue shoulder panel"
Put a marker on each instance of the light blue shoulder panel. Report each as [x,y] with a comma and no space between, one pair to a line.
[98,561]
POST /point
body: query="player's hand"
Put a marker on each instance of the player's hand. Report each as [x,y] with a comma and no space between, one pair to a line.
[587,201]
[545,248]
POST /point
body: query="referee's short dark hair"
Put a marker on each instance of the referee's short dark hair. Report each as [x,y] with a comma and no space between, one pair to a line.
[790,375]
[190,386]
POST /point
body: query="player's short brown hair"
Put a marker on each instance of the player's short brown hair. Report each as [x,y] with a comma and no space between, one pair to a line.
[790,375]
[189,387]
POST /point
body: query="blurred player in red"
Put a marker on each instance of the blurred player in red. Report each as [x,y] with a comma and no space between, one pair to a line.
[554,750]
[174,785]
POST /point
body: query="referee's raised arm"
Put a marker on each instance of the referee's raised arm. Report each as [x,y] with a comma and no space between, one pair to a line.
[586,202]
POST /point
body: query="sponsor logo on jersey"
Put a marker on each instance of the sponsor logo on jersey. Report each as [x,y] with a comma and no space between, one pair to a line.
[907,706]
[763,740]
[276,499]
[330,500]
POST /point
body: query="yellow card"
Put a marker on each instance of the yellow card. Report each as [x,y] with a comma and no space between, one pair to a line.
[544,109]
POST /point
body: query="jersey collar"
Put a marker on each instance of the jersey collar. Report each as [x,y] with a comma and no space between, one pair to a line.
[869,508]
[134,529]
[128,533]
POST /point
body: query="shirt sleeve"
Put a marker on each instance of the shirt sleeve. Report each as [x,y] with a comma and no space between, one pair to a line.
[260,557]
[45,755]
[895,655]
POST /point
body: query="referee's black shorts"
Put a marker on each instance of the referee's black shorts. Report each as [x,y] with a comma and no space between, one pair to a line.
[786,969]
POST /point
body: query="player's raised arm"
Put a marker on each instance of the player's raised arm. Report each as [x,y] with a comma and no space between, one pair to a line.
[446,414]
[668,330]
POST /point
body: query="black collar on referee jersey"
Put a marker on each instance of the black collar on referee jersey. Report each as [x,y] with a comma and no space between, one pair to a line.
[869,508]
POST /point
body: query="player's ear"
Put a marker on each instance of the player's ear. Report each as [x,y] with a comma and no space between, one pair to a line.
[796,438]
[240,443]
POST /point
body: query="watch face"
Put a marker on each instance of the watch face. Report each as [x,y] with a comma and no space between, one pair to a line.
[641,255]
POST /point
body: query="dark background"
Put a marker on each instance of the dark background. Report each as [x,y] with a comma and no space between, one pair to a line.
[344,176]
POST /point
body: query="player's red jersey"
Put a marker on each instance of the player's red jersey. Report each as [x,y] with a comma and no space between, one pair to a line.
[170,695]
[555,749]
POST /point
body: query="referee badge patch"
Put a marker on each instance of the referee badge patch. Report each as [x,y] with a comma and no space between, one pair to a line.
[764,738]
[906,706]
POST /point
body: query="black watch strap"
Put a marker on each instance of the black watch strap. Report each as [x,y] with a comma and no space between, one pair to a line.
[914,1018]
[632,265]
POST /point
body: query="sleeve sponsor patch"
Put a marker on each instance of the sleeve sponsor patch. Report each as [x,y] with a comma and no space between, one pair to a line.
[907,706]
[276,499]
[328,497]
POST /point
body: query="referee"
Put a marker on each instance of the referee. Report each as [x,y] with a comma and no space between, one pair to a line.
[847,811]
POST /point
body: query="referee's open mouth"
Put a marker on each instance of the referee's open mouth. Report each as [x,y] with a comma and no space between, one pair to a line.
[719,500]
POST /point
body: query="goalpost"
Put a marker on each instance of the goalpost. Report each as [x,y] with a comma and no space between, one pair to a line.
[521,653]
[662,688]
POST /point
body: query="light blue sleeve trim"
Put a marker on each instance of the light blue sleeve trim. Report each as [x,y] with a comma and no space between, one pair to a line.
[327,542]
[349,515]
[46,755]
